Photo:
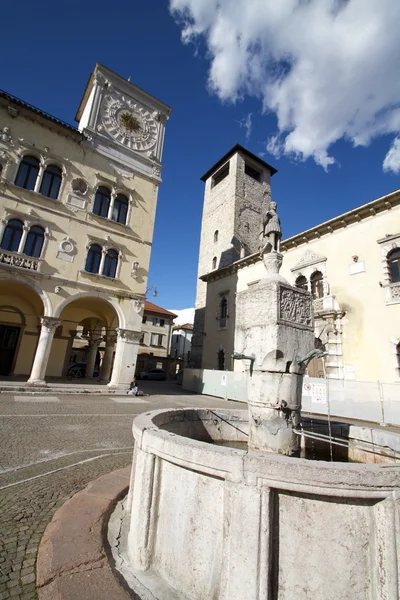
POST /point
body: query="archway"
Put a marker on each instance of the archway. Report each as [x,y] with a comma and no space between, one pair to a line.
[85,347]
[21,309]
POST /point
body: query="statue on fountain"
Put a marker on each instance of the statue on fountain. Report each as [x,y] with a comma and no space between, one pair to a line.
[271,231]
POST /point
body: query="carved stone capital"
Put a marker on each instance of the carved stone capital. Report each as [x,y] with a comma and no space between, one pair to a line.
[50,324]
[128,335]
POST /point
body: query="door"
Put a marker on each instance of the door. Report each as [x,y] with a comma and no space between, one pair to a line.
[8,345]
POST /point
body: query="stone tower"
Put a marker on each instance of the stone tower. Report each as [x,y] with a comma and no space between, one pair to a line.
[237,194]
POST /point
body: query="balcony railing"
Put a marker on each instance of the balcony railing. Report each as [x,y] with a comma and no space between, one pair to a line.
[20,261]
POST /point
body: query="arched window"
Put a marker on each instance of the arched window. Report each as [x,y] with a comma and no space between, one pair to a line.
[317,288]
[27,173]
[12,235]
[214,262]
[34,241]
[394,265]
[93,259]
[221,360]
[110,263]
[301,282]
[216,235]
[120,209]
[51,182]
[102,202]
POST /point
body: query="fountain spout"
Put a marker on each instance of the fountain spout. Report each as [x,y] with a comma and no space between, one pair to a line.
[315,353]
[251,358]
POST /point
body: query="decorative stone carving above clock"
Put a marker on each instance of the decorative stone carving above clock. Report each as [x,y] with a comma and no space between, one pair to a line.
[128,122]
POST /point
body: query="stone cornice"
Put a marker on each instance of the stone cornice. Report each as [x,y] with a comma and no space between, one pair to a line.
[233,268]
[382,204]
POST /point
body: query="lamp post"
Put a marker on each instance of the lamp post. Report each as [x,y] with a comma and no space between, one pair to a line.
[154,292]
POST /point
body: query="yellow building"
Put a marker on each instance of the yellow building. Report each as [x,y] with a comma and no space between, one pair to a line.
[351,266]
[77,216]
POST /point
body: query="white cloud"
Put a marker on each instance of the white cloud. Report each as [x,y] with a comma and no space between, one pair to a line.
[392,158]
[328,69]
[186,315]
[247,125]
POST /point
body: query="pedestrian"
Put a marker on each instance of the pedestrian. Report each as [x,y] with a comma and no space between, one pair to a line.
[133,388]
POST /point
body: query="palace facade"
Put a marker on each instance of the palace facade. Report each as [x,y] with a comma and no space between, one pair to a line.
[77,209]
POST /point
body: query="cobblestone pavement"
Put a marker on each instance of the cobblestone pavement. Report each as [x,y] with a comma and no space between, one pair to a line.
[50,448]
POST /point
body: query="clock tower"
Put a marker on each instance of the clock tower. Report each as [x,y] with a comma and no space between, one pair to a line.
[124,123]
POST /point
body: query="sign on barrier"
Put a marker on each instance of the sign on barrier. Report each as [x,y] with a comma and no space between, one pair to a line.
[315,391]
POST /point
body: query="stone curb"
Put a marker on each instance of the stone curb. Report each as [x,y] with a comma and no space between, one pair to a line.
[72,562]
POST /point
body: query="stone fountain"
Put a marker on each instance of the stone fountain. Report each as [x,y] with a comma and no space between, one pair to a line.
[206,519]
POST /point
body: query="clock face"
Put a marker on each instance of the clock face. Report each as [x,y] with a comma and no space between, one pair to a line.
[129,123]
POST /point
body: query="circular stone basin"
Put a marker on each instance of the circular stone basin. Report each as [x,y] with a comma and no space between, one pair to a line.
[206,521]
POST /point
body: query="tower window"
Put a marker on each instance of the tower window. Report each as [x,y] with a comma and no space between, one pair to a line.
[252,172]
[214,262]
[220,175]
[216,236]
[223,312]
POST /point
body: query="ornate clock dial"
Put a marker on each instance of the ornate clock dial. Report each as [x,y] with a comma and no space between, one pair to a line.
[129,123]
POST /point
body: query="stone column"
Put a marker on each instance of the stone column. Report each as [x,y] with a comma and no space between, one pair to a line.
[91,359]
[49,326]
[72,334]
[105,371]
[125,358]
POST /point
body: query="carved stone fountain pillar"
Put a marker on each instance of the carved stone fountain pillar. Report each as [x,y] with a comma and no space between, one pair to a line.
[275,324]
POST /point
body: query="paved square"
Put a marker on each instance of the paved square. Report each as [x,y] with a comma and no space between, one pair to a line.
[50,448]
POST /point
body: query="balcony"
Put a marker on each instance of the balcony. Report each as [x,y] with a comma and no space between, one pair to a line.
[19,261]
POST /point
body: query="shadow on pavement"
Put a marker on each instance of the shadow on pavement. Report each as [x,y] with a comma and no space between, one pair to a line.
[163,388]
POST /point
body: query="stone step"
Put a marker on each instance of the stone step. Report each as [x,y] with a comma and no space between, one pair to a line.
[21,390]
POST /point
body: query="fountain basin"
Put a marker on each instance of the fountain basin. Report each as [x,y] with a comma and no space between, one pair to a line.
[206,521]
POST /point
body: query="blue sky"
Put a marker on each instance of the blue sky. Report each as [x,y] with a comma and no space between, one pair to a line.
[53,48]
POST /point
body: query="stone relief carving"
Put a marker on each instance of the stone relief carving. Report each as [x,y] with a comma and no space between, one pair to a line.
[395,291]
[309,257]
[138,305]
[128,122]
[128,335]
[5,136]
[157,171]
[318,305]
[79,186]
[32,264]
[295,307]
[66,250]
